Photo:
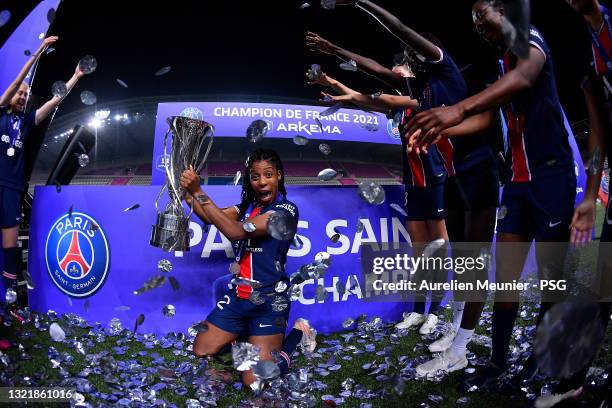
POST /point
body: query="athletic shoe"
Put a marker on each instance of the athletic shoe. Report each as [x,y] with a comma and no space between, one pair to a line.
[446,362]
[413,319]
[485,378]
[308,342]
[550,400]
[429,325]
[443,343]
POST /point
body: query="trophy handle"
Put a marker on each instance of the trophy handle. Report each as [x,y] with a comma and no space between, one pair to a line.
[158,197]
[168,166]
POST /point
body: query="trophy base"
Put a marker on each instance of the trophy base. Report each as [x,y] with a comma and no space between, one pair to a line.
[170,233]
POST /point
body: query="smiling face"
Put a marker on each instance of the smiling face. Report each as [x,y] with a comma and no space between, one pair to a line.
[18,102]
[264,180]
[488,22]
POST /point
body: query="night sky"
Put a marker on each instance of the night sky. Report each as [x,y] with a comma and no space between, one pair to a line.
[257,47]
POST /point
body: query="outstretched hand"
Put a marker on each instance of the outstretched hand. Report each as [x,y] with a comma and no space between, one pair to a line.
[316,43]
[432,122]
[322,80]
[333,99]
[45,44]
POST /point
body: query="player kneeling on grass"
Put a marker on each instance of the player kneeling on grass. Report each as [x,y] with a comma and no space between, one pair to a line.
[256,308]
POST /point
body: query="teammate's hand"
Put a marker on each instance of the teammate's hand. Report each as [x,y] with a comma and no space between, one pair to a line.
[328,98]
[323,80]
[582,222]
[45,44]
[433,121]
[190,181]
[315,42]
[77,72]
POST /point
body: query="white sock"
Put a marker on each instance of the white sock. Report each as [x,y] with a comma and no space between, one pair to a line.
[463,337]
[457,314]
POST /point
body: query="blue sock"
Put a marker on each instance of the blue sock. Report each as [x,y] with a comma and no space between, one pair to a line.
[289,345]
[9,272]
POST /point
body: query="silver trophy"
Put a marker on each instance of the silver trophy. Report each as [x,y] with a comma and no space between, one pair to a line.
[191,142]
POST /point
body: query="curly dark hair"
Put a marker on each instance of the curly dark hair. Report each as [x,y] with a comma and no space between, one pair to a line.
[248,194]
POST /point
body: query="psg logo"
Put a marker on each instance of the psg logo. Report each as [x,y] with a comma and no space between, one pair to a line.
[77,255]
[392,129]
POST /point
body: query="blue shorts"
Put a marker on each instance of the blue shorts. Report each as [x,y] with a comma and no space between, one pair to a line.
[242,317]
[424,203]
[10,207]
[475,188]
[541,209]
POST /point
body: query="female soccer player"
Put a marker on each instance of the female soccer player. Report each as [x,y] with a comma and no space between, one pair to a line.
[471,197]
[538,202]
[258,306]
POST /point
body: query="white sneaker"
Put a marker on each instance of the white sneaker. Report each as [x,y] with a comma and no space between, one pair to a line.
[413,319]
[429,325]
[443,343]
[308,342]
[446,362]
[550,400]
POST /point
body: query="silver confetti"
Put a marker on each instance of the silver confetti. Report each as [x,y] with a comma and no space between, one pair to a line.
[305,6]
[88,98]
[121,82]
[154,282]
[321,293]
[300,140]
[163,71]
[249,227]
[314,73]
[359,226]
[257,130]
[164,265]
[266,370]
[132,207]
[371,192]
[10,296]
[56,332]
[331,110]
[5,16]
[279,303]
[87,65]
[256,298]
[174,283]
[398,208]
[245,356]
[335,238]
[237,178]
[328,4]
[280,286]
[83,160]
[168,311]
[327,174]
[281,226]
[325,149]
[59,89]
[351,66]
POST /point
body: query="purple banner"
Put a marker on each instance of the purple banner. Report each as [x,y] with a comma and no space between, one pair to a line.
[232,119]
[91,261]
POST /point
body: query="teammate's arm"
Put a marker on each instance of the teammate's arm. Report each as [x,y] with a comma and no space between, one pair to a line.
[502,91]
[584,214]
[8,94]
[380,103]
[51,104]
[470,126]
[317,43]
[226,220]
[404,33]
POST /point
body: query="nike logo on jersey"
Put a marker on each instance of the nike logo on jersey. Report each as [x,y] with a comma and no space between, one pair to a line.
[552,225]
[440,210]
[264,325]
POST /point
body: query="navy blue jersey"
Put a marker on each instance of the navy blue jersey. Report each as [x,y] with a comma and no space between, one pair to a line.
[263,259]
[537,138]
[14,130]
[445,86]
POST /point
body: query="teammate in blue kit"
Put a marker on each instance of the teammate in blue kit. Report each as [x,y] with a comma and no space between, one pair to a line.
[598,97]
[15,126]
[469,196]
[538,201]
[257,307]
